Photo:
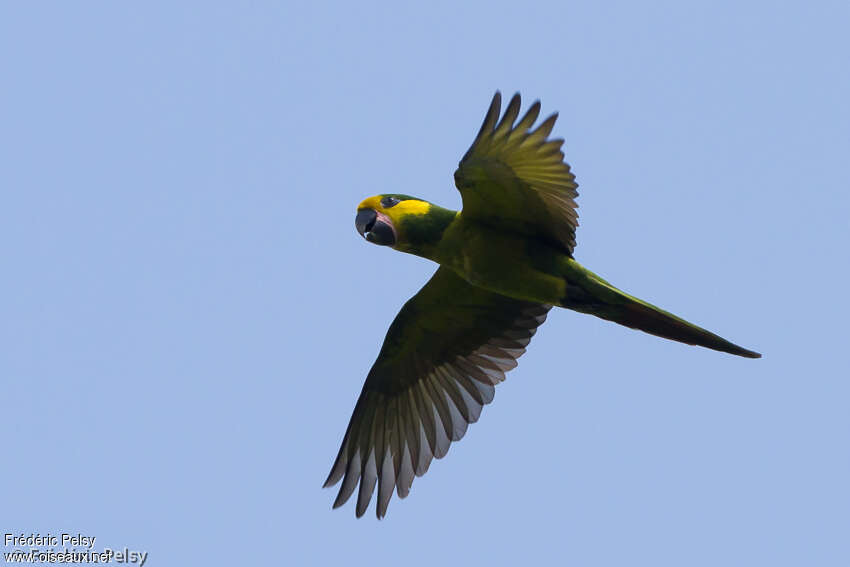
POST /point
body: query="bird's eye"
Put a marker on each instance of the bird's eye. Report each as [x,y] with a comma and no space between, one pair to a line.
[388,202]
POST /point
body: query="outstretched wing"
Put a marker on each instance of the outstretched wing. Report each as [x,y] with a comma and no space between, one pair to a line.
[442,356]
[515,178]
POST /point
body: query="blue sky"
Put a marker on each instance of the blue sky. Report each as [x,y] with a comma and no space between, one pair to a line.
[188,313]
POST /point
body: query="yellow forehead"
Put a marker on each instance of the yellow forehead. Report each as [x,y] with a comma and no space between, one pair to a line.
[403,208]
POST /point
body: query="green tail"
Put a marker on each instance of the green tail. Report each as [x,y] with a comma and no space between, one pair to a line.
[588,293]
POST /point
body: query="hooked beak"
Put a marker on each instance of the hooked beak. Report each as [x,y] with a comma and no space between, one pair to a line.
[375,227]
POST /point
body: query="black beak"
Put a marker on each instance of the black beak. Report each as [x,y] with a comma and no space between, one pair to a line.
[374,229]
[365,220]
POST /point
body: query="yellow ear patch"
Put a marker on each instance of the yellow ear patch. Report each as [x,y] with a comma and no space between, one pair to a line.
[410,207]
[402,209]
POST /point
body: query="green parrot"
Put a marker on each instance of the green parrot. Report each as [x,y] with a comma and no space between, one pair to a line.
[505,260]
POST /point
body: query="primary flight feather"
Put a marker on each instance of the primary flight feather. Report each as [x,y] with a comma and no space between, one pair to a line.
[505,260]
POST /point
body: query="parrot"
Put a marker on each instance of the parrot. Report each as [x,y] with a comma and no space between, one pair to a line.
[504,260]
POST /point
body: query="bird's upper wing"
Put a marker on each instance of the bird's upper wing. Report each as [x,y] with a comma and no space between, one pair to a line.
[444,352]
[514,178]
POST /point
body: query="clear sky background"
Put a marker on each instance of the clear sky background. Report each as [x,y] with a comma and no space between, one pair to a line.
[187,313]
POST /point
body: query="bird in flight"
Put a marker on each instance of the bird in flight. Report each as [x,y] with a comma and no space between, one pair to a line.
[505,260]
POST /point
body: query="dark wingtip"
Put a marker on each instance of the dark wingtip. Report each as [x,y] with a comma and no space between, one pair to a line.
[497,99]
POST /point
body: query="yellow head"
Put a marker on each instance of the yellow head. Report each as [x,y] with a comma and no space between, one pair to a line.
[380,218]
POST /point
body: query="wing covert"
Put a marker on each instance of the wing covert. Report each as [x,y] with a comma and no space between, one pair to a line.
[444,353]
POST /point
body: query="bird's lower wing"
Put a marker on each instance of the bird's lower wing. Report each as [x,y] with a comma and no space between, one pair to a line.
[442,356]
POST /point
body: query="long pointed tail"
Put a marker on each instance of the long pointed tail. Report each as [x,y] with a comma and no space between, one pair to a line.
[591,294]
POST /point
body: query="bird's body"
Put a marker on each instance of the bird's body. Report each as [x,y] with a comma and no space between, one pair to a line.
[529,268]
[505,260]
